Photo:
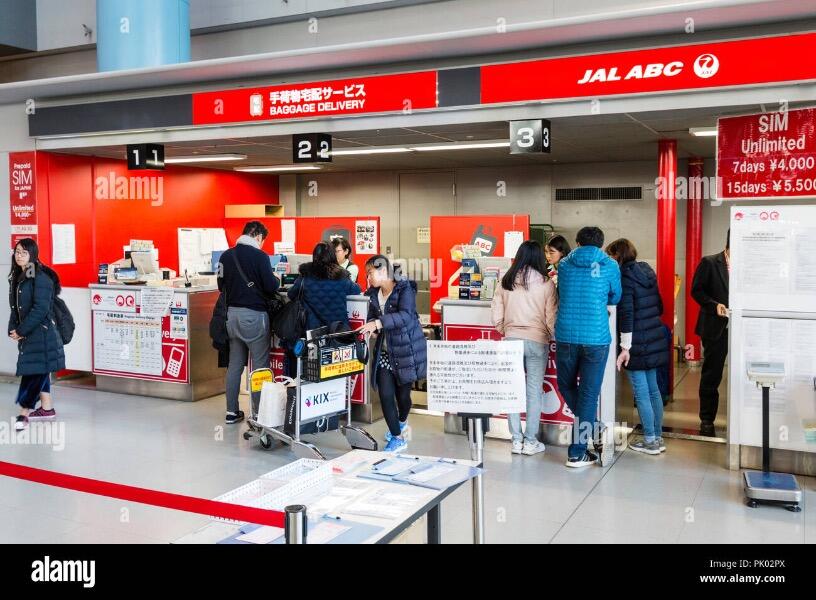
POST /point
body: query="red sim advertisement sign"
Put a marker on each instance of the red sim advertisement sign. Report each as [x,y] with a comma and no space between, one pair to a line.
[769,155]
[485,231]
[22,196]
[740,62]
[383,93]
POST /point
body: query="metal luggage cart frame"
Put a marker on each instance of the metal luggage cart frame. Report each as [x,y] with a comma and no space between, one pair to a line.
[356,437]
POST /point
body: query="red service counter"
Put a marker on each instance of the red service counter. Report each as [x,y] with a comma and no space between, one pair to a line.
[135,351]
[469,320]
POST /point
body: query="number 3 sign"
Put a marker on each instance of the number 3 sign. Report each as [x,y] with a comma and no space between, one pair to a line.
[530,137]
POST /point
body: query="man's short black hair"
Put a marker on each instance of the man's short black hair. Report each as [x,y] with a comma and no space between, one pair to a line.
[590,236]
[728,239]
[254,228]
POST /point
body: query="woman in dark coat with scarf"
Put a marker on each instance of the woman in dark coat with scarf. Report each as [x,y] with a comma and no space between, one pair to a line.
[400,350]
[32,288]
[644,348]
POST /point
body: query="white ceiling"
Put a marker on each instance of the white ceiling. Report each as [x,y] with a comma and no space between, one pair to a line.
[591,138]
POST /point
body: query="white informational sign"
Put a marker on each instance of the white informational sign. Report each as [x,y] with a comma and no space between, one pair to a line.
[792,409]
[63,241]
[155,301]
[476,377]
[288,231]
[284,247]
[773,258]
[115,300]
[324,398]
[195,247]
[365,236]
[512,241]
[127,343]
[423,235]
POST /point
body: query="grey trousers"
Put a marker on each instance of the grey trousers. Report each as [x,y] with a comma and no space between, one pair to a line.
[249,335]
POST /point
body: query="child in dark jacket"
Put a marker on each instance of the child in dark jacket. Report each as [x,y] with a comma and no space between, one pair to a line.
[644,348]
[400,350]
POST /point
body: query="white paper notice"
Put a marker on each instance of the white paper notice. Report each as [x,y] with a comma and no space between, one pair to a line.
[156,301]
[365,237]
[476,377]
[284,247]
[423,235]
[288,231]
[63,239]
[512,241]
[804,248]
[220,243]
[262,535]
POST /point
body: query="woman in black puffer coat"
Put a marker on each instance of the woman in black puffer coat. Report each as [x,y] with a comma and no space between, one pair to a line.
[32,288]
[642,341]
[400,352]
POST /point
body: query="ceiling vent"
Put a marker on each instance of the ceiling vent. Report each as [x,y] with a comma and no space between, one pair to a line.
[598,193]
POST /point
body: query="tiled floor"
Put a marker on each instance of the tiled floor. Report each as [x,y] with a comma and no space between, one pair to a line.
[685,495]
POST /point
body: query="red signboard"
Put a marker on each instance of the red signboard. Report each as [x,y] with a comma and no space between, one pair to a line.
[740,62]
[384,93]
[22,196]
[769,155]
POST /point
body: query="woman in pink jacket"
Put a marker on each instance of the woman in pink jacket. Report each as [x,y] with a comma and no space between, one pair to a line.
[524,308]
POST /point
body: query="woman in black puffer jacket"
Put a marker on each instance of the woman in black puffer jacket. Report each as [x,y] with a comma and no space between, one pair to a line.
[642,341]
[400,354]
[32,288]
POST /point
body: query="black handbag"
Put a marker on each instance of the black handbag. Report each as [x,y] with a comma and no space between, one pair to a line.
[289,323]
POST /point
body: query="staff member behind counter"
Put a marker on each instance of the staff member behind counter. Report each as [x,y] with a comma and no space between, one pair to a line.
[245,276]
[342,250]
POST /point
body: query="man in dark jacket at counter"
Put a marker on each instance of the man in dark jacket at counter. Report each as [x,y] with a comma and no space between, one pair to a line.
[246,278]
[709,289]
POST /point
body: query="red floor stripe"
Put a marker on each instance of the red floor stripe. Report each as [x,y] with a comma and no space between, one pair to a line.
[190,504]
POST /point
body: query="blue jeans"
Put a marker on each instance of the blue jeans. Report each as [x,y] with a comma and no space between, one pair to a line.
[587,362]
[535,361]
[649,402]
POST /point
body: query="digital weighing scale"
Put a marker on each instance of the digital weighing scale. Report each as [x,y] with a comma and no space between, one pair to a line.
[765,487]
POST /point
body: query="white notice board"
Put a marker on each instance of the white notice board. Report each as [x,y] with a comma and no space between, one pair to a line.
[476,377]
[773,258]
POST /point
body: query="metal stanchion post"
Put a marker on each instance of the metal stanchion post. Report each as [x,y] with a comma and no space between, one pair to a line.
[295,525]
[476,439]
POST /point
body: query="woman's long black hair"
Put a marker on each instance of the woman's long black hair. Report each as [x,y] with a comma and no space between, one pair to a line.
[560,243]
[528,256]
[16,271]
[324,263]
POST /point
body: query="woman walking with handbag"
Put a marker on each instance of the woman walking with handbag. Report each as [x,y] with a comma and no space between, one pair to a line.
[32,289]
[400,350]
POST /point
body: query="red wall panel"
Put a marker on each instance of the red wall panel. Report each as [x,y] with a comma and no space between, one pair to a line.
[109,206]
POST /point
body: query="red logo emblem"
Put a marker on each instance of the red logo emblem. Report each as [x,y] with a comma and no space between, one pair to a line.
[97,299]
[763,216]
[131,300]
[739,216]
[774,216]
[120,300]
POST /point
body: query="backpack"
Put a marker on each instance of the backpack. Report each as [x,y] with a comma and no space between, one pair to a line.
[64,320]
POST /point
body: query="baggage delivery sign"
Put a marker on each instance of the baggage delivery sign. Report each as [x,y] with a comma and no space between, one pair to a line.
[769,155]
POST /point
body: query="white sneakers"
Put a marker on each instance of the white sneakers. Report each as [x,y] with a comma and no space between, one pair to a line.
[531,448]
[527,448]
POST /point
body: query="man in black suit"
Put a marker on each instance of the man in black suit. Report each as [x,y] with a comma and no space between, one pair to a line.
[710,290]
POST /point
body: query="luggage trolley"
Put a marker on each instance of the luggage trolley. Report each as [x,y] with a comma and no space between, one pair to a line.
[325,372]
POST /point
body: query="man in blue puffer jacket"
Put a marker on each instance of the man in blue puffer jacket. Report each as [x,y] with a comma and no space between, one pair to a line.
[588,281]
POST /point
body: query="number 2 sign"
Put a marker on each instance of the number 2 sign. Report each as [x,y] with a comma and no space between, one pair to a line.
[312,147]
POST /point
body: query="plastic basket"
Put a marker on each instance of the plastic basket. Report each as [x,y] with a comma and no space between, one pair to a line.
[276,489]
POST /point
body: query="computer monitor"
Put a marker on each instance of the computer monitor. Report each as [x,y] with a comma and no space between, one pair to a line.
[216,258]
[295,260]
[144,262]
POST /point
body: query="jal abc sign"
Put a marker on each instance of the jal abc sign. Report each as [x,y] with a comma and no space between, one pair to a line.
[145,156]
[311,148]
[528,137]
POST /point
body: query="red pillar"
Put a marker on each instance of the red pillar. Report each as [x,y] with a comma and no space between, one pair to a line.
[694,251]
[666,234]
